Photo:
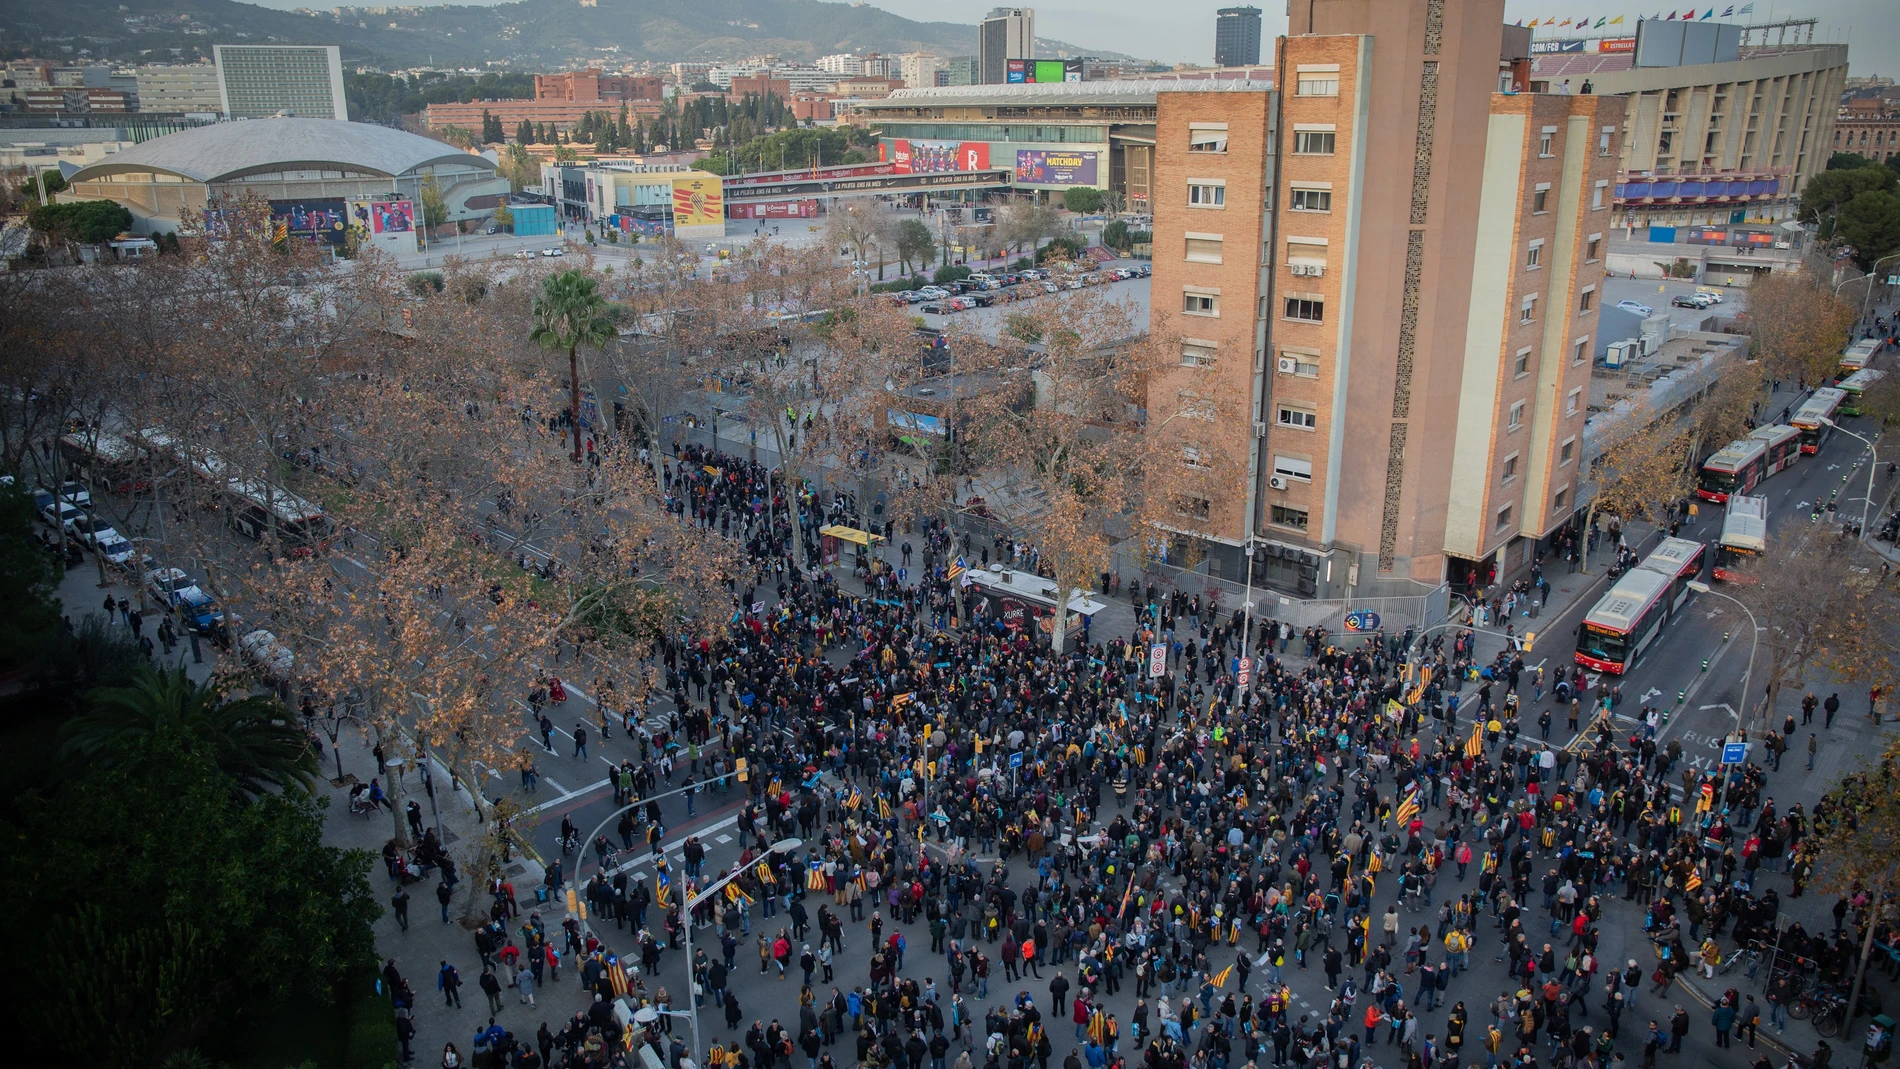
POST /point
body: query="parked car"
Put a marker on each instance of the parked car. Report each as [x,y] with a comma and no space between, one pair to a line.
[1050,286]
[985,300]
[554,252]
[493,230]
[166,584]
[76,493]
[933,293]
[934,308]
[199,610]
[1638,307]
[61,514]
[1144,270]
[524,254]
[959,304]
[1685,300]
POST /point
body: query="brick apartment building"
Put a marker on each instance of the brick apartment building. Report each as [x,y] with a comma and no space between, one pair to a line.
[559,99]
[1394,264]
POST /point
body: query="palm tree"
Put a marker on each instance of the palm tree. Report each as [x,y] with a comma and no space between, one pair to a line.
[253,739]
[568,313]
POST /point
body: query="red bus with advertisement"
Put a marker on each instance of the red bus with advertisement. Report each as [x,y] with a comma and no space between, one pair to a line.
[1627,620]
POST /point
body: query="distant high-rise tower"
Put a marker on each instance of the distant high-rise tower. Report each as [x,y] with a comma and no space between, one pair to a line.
[258,81]
[1010,33]
[1237,37]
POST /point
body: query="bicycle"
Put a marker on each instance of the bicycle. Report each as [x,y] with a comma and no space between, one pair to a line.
[1740,954]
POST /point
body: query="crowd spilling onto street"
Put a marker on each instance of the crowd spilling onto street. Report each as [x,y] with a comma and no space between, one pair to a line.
[1195,810]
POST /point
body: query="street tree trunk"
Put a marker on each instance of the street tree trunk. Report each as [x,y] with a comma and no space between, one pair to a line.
[1866,948]
[574,397]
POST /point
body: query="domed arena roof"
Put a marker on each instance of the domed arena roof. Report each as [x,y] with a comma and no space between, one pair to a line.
[228,151]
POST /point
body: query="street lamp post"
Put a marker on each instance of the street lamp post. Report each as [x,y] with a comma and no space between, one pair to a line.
[580,853]
[1873,463]
[783,846]
[1754,640]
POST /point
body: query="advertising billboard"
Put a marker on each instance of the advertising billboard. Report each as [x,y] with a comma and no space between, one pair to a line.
[392,216]
[698,199]
[1540,48]
[310,220]
[1042,70]
[1039,167]
[939,157]
[1617,44]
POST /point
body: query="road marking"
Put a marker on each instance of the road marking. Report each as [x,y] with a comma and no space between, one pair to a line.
[722,839]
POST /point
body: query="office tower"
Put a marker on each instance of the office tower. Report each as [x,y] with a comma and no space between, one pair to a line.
[1237,37]
[1006,33]
[258,81]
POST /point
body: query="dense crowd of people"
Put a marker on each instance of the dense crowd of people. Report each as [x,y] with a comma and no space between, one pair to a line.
[1074,819]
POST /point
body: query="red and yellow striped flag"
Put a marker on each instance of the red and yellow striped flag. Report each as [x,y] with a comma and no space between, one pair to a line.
[1220,978]
[1475,746]
[1408,809]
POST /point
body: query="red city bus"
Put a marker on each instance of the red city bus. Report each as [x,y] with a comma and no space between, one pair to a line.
[1813,416]
[1734,469]
[1627,619]
[1783,446]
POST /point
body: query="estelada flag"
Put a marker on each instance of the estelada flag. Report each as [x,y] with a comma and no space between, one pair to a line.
[884,809]
[617,976]
[1220,978]
[1408,809]
[815,881]
[765,873]
[1475,745]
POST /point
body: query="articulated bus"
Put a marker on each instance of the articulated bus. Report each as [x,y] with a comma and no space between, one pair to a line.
[252,508]
[1628,618]
[1856,384]
[1811,418]
[1744,538]
[105,461]
[1856,357]
[1741,465]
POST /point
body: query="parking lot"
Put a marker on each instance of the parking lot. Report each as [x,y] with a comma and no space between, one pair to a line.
[989,309]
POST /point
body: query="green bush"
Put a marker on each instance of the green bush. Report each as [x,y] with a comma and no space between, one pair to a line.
[1083,200]
[950,273]
[1066,247]
[899,285]
[1021,263]
[425,283]
[372,1040]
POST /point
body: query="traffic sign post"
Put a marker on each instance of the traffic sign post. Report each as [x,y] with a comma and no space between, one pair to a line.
[1245,675]
[1362,620]
[1734,753]
[1157,660]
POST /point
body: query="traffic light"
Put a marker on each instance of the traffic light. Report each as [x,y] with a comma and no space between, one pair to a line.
[1530,638]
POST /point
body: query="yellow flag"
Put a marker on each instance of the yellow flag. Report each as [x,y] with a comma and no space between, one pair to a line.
[1220,978]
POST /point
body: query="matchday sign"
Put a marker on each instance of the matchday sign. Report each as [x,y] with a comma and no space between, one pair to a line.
[1045,168]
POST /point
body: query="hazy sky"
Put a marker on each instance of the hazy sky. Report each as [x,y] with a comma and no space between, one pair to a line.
[1182,31]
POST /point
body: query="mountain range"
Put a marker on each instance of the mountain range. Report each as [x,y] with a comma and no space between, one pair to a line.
[544,34]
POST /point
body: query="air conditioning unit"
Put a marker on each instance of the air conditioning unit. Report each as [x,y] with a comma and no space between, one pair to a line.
[1289,366]
[1296,269]
[1276,482]
[1315,270]
[1621,353]
[1259,429]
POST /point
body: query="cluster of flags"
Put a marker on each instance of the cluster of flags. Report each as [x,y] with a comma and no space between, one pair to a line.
[1584,23]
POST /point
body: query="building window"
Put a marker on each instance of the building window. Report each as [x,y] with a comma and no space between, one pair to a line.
[1586,301]
[1580,351]
[1283,516]
[1597,194]
[1303,365]
[1603,140]
[1197,508]
[1504,517]
[1534,256]
[1527,313]
[1540,199]
[1517,415]
[1301,418]
[1509,468]
[1319,85]
[1203,248]
[1567,451]
[1197,354]
[1521,366]
[1196,457]
[1207,194]
[1313,142]
[1572,400]
[1593,249]
[1207,137]
[1308,310]
[1293,468]
[1557,500]
[1201,304]
[1666,143]
[1312,200]
[1544,142]
[1193,406]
